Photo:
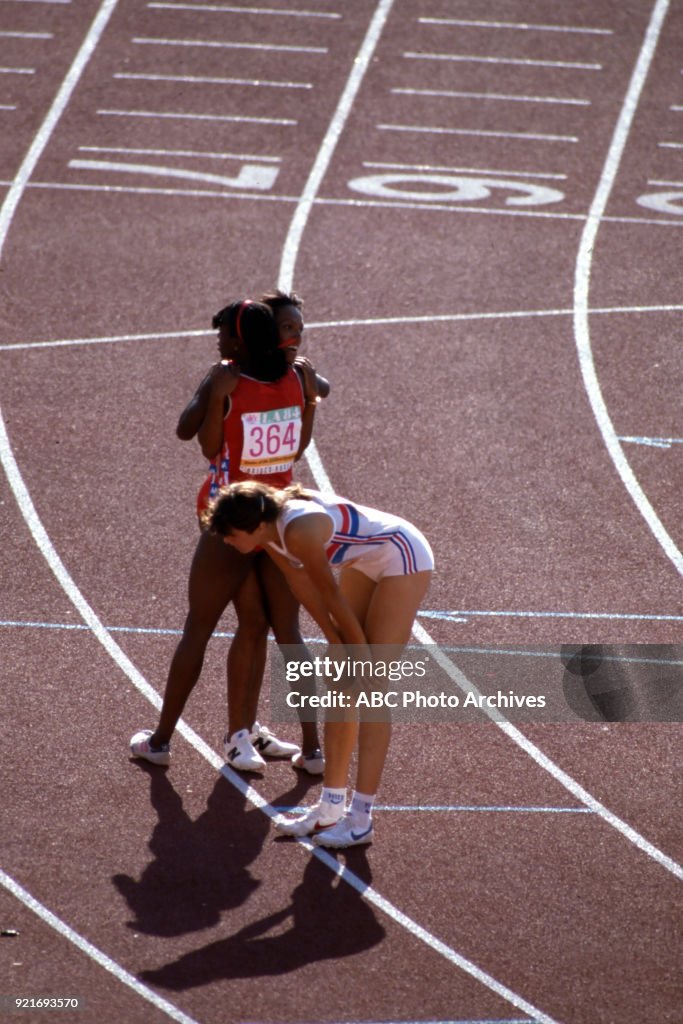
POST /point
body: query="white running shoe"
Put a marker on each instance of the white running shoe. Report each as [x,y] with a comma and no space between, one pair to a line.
[268,745]
[307,824]
[240,753]
[313,763]
[344,833]
[140,747]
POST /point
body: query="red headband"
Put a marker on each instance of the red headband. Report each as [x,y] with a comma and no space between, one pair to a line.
[238,332]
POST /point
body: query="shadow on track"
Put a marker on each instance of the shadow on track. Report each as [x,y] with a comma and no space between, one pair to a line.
[327,920]
[200,868]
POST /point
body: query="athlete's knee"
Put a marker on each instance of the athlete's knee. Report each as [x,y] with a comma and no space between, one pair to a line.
[252,625]
[288,634]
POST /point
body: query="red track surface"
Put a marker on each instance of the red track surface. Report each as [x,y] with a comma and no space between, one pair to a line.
[477,426]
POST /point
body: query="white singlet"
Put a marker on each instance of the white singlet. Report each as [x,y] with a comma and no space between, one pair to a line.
[376,543]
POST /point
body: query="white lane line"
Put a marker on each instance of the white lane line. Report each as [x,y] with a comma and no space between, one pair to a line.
[100,958]
[652,442]
[584,262]
[480,133]
[42,136]
[112,340]
[515,614]
[329,143]
[521,61]
[440,169]
[555,654]
[53,559]
[449,93]
[543,761]
[181,116]
[351,324]
[372,896]
[225,45]
[205,80]
[7,211]
[90,617]
[312,186]
[270,11]
[523,26]
[48,551]
[26,35]
[323,481]
[230,195]
[445,616]
[459,809]
[192,153]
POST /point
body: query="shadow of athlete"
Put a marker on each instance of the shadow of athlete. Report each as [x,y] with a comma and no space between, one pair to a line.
[200,868]
[319,904]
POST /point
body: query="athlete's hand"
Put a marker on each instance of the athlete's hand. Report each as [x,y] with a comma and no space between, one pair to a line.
[314,385]
[224,377]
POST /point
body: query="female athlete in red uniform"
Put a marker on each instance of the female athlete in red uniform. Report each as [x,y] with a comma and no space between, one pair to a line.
[253,413]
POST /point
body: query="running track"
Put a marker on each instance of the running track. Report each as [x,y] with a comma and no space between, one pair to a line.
[482,206]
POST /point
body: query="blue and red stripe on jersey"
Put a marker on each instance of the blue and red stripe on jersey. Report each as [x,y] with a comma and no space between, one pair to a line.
[348,535]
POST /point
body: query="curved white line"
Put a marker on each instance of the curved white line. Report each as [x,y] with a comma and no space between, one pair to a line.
[287,271]
[304,206]
[582,281]
[322,161]
[45,546]
[49,552]
[293,242]
[541,759]
[314,325]
[40,140]
[92,951]
[47,549]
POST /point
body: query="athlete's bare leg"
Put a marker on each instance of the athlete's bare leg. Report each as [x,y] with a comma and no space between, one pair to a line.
[216,575]
[283,613]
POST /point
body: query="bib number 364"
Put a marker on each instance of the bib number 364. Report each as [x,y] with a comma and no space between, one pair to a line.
[271,440]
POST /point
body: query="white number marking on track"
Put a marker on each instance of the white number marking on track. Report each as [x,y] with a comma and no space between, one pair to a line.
[253,176]
[455,188]
[663,202]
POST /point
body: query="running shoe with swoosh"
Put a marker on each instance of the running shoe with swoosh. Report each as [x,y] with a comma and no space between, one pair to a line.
[308,824]
[345,833]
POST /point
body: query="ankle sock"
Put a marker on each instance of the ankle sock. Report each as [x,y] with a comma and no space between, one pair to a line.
[332,803]
[361,809]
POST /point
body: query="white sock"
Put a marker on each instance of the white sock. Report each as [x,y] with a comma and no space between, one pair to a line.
[332,804]
[361,809]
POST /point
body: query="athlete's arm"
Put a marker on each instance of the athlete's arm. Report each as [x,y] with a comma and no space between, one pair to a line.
[314,384]
[307,420]
[224,377]
[314,387]
[306,538]
[192,416]
[307,595]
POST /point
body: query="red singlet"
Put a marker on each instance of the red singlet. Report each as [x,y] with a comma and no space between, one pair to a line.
[261,435]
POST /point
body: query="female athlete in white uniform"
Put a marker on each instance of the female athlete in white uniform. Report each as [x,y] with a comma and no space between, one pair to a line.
[386,565]
[376,543]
